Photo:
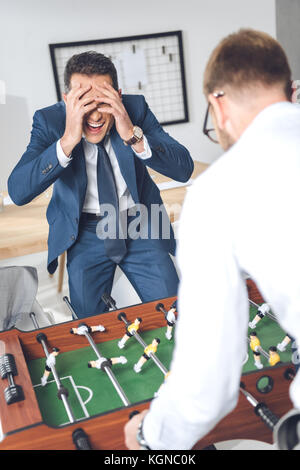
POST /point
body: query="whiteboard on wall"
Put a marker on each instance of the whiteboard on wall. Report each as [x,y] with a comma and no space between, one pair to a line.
[151,65]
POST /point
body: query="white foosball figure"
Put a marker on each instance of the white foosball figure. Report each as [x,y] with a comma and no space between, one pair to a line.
[171,320]
[83,329]
[114,360]
[50,362]
[284,343]
[261,313]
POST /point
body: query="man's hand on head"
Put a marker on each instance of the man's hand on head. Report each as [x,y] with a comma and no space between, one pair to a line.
[78,103]
[110,102]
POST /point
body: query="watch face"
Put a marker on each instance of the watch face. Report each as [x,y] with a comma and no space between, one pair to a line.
[137,132]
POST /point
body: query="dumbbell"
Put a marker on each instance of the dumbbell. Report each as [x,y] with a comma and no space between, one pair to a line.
[8,369]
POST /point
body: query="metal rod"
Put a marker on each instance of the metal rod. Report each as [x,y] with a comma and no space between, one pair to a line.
[268,314]
[261,350]
[65,299]
[249,397]
[55,375]
[34,320]
[151,355]
[108,371]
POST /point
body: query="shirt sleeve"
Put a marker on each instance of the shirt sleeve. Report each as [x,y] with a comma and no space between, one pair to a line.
[147,153]
[64,161]
[210,336]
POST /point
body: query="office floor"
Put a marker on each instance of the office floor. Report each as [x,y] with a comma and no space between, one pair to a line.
[50,299]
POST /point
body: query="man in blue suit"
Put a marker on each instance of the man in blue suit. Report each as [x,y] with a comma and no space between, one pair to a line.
[94,147]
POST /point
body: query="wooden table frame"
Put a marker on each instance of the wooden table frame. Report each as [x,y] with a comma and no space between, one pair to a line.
[22,422]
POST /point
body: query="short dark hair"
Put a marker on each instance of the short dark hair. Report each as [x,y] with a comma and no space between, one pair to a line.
[90,63]
[247,57]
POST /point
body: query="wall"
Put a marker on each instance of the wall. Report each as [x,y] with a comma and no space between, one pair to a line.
[27,27]
[288,32]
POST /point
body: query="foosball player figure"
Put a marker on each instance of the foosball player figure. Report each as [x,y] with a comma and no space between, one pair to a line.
[254,343]
[50,362]
[171,320]
[261,313]
[282,346]
[82,329]
[113,360]
[151,348]
[132,327]
[274,356]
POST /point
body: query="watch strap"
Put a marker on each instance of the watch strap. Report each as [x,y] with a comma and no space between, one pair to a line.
[134,139]
[141,439]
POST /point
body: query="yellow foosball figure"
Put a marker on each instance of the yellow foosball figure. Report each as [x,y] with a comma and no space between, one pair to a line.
[151,348]
[274,356]
[133,327]
[254,343]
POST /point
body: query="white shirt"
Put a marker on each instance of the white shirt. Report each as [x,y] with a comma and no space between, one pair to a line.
[91,202]
[240,216]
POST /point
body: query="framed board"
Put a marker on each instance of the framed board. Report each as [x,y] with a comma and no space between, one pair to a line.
[151,65]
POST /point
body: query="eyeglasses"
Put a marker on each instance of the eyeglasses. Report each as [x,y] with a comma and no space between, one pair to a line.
[211,133]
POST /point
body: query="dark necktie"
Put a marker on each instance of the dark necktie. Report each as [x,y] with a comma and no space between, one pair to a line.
[115,247]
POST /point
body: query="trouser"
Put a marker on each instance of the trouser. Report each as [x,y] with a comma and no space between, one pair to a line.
[148,267]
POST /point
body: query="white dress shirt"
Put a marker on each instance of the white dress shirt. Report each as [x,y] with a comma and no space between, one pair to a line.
[240,216]
[91,202]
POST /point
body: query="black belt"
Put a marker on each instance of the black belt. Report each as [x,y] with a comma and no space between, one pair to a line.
[88,216]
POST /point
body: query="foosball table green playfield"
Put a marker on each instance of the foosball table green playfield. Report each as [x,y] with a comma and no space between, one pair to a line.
[88,406]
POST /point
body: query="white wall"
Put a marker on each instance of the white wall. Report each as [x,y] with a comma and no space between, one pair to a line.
[28,26]
[288,33]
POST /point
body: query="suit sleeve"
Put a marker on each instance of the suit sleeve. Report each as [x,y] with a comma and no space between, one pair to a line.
[169,157]
[38,168]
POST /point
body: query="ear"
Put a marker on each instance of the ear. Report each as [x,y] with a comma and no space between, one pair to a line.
[120,93]
[65,97]
[219,110]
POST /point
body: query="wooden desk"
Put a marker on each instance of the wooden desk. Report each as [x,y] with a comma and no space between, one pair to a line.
[24,230]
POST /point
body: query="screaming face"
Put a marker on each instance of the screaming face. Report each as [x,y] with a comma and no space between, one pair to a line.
[96,124]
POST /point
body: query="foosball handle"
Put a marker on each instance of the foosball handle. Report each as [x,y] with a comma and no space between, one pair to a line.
[81,440]
[289,374]
[133,413]
[122,316]
[109,301]
[266,415]
[160,307]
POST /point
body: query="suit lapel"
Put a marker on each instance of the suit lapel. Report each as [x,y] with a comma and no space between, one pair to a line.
[125,159]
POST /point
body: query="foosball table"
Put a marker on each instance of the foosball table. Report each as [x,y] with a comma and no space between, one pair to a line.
[101,376]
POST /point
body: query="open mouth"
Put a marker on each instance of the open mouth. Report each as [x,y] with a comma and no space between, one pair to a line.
[94,127]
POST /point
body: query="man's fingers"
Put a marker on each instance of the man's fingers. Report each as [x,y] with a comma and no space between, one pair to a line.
[117,106]
[106,88]
[89,107]
[107,110]
[78,92]
[86,100]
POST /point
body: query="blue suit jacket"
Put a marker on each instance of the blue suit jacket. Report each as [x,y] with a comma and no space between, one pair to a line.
[39,168]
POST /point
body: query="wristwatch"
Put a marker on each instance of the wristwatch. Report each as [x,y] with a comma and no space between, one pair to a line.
[141,439]
[136,137]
